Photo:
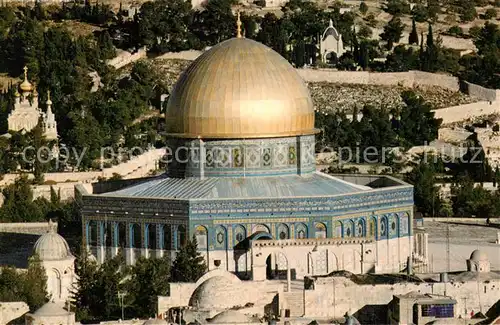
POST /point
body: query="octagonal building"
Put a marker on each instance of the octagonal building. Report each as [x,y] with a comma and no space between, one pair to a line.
[242,179]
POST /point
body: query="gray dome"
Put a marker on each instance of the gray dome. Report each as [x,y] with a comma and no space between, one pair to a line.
[217,292]
[478,256]
[231,317]
[52,246]
[52,309]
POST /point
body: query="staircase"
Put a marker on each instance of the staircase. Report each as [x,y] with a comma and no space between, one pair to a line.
[295,303]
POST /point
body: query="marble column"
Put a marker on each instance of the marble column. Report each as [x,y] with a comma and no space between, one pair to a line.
[129,254]
[101,252]
[115,239]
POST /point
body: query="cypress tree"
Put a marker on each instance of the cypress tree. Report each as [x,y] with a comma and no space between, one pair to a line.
[188,265]
[413,38]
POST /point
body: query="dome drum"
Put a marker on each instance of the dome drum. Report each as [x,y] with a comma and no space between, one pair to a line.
[243,157]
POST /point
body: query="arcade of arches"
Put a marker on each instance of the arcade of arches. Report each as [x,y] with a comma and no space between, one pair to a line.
[323,245]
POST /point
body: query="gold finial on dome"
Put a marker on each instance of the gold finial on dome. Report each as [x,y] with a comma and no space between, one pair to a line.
[238,26]
[26,86]
[49,102]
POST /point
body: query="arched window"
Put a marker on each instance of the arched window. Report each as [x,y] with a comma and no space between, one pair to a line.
[151,231]
[403,224]
[181,236]
[337,229]
[372,228]
[201,237]
[301,231]
[167,237]
[239,234]
[383,227]
[108,234]
[360,230]
[220,237]
[393,230]
[135,235]
[283,231]
[260,228]
[320,230]
[349,228]
[92,233]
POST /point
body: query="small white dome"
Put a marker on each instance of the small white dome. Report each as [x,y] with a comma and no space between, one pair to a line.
[231,317]
[478,255]
[51,309]
[217,292]
[155,322]
[52,246]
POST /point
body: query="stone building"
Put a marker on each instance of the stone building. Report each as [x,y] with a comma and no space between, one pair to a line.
[51,313]
[27,114]
[242,179]
[330,44]
[55,256]
[416,308]
[478,262]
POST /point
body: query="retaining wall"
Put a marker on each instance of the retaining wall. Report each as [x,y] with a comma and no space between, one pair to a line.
[125,58]
[464,112]
[479,91]
[138,166]
[32,228]
[407,79]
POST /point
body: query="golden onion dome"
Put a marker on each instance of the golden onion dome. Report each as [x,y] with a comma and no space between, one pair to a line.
[240,89]
[26,86]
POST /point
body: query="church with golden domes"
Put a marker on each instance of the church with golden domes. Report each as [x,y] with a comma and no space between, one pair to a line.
[242,179]
[26,114]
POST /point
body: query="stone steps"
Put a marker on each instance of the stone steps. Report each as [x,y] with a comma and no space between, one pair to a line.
[295,303]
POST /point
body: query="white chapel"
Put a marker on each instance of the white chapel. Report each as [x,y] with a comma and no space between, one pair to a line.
[27,114]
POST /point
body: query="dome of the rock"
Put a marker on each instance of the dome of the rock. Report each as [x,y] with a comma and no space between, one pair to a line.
[240,89]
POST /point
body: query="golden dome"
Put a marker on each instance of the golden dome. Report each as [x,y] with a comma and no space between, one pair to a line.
[26,86]
[240,89]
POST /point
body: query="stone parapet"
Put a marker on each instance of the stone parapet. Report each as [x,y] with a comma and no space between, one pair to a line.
[311,242]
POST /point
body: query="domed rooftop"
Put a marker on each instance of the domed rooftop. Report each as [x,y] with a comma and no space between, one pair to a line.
[231,317]
[478,255]
[240,89]
[155,322]
[52,246]
[217,292]
[26,86]
[51,309]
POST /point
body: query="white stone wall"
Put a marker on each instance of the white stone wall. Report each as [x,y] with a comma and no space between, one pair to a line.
[138,166]
[60,279]
[33,228]
[125,58]
[467,111]
[12,310]
[334,297]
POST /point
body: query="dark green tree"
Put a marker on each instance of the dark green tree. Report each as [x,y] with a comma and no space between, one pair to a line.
[396,7]
[392,32]
[413,37]
[299,54]
[363,8]
[215,23]
[426,193]
[164,25]
[418,125]
[149,278]
[35,284]
[467,10]
[188,265]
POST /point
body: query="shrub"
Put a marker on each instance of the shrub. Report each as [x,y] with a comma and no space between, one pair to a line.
[363,8]
[456,30]
[490,13]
